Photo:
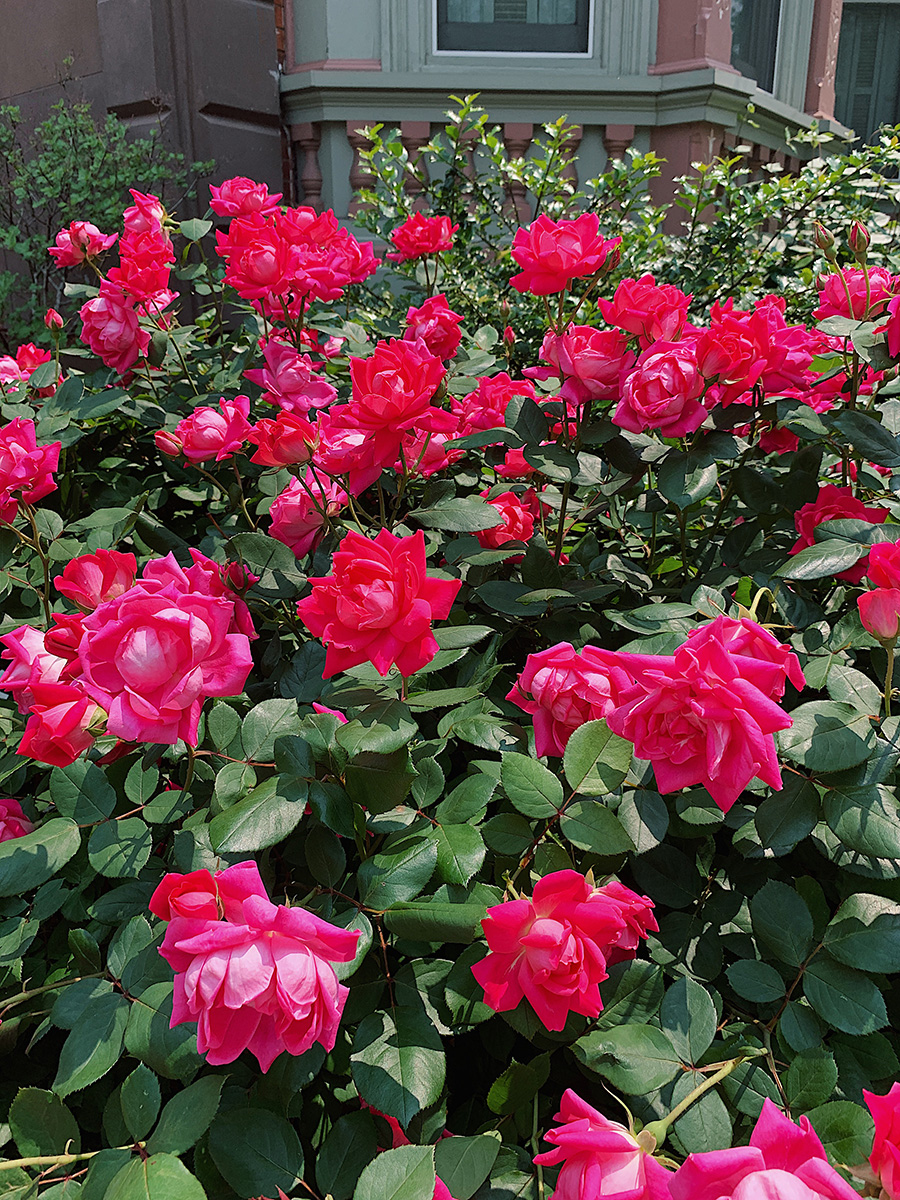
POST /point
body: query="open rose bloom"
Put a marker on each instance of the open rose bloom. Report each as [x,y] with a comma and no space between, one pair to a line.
[261,978]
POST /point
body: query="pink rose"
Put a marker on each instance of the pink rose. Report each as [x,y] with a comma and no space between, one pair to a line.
[593,362]
[879,611]
[146,215]
[891,328]
[378,605]
[563,689]
[636,914]
[550,949]
[299,513]
[553,253]
[703,716]
[262,979]
[748,640]
[144,265]
[424,452]
[654,312]
[53,320]
[393,387]
[867,298]
[288,440]
[13,822]
[600,1158]
[883,567]
[207,433]
[260,262]
[486,406]
[436,326]
[518,521]
[26,469]
[207,897]
[514,466]
[92,578]
[347,447]
[59,727]
[334,712]
[290,380]
[730,354]
[663,392]
[831,504]
[80,240]
[885,1156]
[111,329]
[152,655]
[783,1160]
[419,236]
[30,663]
[240,196]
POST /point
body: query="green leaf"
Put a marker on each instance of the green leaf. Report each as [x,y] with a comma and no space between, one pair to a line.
[848,1000]
[533,790]
[460,852]
[460,637]
[467,799]
[865,933]
[381,728]
[256,1151]
[187,1116]
[102,1169]
[688,1016]
[169,1052]
[755,981]
[94,1044]
[589,825]
[685,480]
[351,1144]
[270,812]
[398,1062]
[631,995]
[140,1101]
[787,817]
[845,1130]
[645,818]
[518,1085]
[827,736]
[464,1163]
[748,1087]
[399,873]
[810,1079]
[507,834]
[82,791]
[596,761]
[406,1173]
[29,861]
[636,1059]
[161,1177]
[40,1123]
[271,560]
[467,514]
[435,921]
[782,922]
[866,819]
[705,1125]
[379,782]
[194,228]
[846,684]
[120,849]
[265,723]
[824,559]
[869,437]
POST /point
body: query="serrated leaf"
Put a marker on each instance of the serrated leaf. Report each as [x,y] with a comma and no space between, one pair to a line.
[596,760]
[140,1101]
[268,815]
[94,1044]
[41,1123]
[848,1000]
[256,1151]
[351,1144]
[636,1059]
[187,1116]
[589,825]
[688,1016]
[405,1173]
[865,933]
[827,736]
[782,922]
[533,790]
[398,1062]
[27,862]
[160,1177]
[460,852]
[399,873]
[464,1163]
[81,791]
[264,724]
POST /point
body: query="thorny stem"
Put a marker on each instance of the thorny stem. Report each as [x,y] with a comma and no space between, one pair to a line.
[45,562]
[57,1160]
[535,1147]
[561,528]
[47,987]
[661,1127]
[787,996]
[889,675]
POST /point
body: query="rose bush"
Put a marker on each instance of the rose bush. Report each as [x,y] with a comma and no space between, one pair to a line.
[464,749]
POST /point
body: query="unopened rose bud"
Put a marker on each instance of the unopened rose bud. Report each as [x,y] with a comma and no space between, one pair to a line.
[509,335]
[824,239]
[879,611]
[167,443]
[52,319]
[859,240]
[613,258]
[822,280]
[504,311]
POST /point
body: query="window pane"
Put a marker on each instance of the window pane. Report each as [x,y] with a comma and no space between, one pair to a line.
[532,26]
[868,72]
[754,35]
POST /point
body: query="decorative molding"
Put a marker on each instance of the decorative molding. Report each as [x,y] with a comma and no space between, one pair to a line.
[617,139]
[823,52]
[358,177]
[338,64]
[517,137]
[690,64]
[413,136]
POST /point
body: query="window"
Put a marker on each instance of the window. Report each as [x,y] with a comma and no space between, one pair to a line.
[754,36]
[868,70]
[514,26]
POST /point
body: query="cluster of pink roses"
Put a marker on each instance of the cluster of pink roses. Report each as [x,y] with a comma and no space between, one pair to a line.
[554,949]
[601,1158]
[254,975]
[704,715]
[137,287]
[139,657]
[879,609]
[20,368]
